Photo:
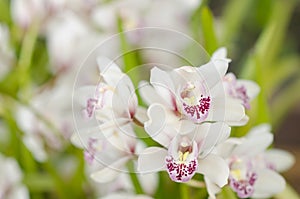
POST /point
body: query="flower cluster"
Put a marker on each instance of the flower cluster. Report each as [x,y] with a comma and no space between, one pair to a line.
[189,116]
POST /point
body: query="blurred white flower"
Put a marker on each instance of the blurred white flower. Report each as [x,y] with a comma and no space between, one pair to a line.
[10,180]
[253,168]
[243,90]
[48,119]
[6,53]
[25,12]
[113,104]
[69,40]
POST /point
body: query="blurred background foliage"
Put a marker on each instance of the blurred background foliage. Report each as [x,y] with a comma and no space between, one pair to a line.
[262,38]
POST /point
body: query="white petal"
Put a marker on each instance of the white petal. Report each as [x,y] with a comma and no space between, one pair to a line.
[258,130]
[215,169]
[125,99]
[152,159]
[156,124]
[280,159]
[268,183]
[149,94]
[214,133]
[210,74]
[163,85]
[220,53]
[82,94]
[141,114]
[252,88]
[229,110]
[109,71]
[254,145]
[110,172]
[212,188]
[149,182]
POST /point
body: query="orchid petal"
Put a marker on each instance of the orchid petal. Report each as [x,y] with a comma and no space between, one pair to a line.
[156,125]
[212,188]
[215,169]
[111,171]
[281,160]
[214,134]
[110,72]
[251,87]
[254,145]
[152,159]
[163,85]
[268,183]
[149,94]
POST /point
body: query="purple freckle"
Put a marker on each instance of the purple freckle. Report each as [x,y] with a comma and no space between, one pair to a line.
[199,111]
[245,187]
[181,171]
[241,93]
[90,107]
[89,154]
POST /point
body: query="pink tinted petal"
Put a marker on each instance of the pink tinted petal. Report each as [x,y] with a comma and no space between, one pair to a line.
[152,159]
[215,169]
[252,88]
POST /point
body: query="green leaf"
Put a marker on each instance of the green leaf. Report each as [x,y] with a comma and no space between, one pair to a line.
[5,12]
[207,25]
[233,18]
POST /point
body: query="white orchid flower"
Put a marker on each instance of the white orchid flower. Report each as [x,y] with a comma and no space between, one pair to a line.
[186,149]
[243,90]
[194,93]
[112,103]
[10,180]
[253,168]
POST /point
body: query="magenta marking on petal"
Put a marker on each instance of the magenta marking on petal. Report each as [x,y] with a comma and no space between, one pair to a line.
[199,111]
[90,106]
[244,187]
[181,171]
[241,93]
[89,154]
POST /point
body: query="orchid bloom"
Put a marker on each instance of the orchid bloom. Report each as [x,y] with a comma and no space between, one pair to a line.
[10,180]
[112,104]
[244,90]
[240,89]
[186,148]
[194,93]
[253,168]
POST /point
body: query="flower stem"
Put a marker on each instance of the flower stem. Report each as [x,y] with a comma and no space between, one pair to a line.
[134,178]
[184,191]
[137,122]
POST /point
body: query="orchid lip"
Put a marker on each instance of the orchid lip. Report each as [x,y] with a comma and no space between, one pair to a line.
[182,166]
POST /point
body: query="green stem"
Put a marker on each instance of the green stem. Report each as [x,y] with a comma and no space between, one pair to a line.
[184,191]
[134,178]
[26,54]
